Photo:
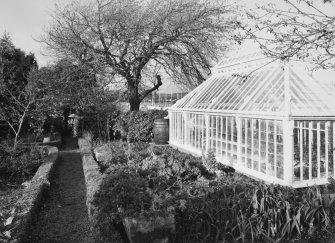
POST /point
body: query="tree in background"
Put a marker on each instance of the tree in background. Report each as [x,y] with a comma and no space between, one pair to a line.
[132,39]
[74,87]
[22,107]
[300,29]
[17,93]
[15,65]
[68,85]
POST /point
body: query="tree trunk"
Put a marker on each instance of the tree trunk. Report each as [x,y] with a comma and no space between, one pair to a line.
[134,105]
[134,100]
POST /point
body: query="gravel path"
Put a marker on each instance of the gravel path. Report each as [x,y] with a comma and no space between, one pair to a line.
[63,216]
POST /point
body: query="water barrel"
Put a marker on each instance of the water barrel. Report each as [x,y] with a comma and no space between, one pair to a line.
[161,131]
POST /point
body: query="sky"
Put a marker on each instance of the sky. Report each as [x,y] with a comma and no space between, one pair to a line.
[24,20]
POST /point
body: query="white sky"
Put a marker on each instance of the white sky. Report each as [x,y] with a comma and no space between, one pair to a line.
[24,20]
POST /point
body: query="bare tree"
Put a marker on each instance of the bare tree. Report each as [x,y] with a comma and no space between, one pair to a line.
[20,104]
[296,29]
[132,39]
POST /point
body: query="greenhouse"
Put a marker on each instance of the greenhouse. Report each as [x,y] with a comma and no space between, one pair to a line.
[266,119]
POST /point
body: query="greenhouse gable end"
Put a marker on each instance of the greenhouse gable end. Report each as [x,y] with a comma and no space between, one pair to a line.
[266,119]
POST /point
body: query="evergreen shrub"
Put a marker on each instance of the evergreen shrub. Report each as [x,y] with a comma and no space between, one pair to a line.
[137,126]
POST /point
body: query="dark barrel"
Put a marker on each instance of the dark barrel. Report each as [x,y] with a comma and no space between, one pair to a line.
[161,131]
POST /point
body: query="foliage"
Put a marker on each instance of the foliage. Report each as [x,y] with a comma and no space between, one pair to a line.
[245,210]
[21,164]
[69,84]
[295,29]
[130,42]
[210,161]
[15,64]
[15,167]
[139,182]
[19,94]
[7,225]
[146,180]
[101,122]
[136,126]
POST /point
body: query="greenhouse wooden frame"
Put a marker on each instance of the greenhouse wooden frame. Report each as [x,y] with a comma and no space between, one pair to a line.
[267,119]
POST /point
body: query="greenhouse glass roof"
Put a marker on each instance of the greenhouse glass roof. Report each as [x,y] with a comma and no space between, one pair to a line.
[259,85]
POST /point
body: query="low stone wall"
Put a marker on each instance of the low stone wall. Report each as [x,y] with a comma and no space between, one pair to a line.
[93,178]
[55,142]
[28,205]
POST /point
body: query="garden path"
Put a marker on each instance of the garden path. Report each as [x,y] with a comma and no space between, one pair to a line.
[63,215]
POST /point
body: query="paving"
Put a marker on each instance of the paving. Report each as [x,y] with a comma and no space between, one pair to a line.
[63,216]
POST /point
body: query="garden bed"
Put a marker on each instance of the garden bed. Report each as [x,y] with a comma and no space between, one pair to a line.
[207,202]
[19,200]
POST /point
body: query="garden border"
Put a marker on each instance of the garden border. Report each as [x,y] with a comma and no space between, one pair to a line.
[30,201]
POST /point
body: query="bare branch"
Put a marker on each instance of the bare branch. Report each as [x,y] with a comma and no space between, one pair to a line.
[126,37]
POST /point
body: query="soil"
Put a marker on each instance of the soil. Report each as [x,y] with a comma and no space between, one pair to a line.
[63,216]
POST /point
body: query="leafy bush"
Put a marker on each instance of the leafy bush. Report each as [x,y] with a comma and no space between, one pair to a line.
[210,161]
[243,210]
[137,126]
[100,124]
[145,180]
[21,165]
[141,183]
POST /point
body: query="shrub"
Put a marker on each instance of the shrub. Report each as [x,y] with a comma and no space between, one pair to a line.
[141,183]
[210,161]
[125,192]
[137,126]
[21,164]
[243,210]
[101,123]
[145,180]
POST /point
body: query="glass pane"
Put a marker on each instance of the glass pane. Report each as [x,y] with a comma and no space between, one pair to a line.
[234,129]
[296,152]
[224,148]
[224,124]
[314,145]
[229,132]
[249,163]
[323,155]
[271,165]
[256,144]
[330,150]
[219,148]
[280,167]
[263,162]
[305,142]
